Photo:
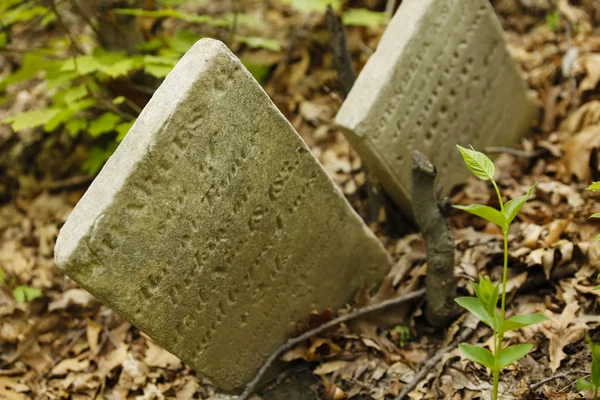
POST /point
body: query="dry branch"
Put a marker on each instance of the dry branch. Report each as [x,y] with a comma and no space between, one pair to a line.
[439,241]
[341,54]
[290,344]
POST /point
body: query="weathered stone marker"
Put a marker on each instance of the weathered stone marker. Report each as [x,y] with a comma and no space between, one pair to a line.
[213,228]
[441,76]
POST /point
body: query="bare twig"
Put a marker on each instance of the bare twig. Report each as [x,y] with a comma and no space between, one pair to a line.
[79,11]
[291,343]
[549,379]
[68,183]
[64,351]
[515,152]
[341,54]
[439,241]
[572,80]
[65,28]
[109,106]
[564,375]
[432,362]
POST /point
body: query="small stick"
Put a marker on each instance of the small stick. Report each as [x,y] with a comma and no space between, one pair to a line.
[291,343]
[432,362]
[515,152]
[342,60]
[439,242]
[564,375]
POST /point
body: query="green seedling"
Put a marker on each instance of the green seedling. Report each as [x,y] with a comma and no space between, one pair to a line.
[594,382]
[403,334]
[553,21]
[484,305]
[595,187]
[22,293]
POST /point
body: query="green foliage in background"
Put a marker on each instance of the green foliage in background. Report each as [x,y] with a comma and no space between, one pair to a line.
[483,305]
[77,83]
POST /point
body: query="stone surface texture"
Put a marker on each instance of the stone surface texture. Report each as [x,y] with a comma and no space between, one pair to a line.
[441,76]
[213,228]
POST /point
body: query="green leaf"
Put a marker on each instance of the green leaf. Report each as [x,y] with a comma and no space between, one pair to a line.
[478,163]
[3,39]
[1,275]
[553,21]
[21,14]
[158,66]
[594,187]
[260,43]
[364,17]
[158,71]
[513,353]
[478,354]
[122,130]
[31,65]
[260,72]
[67,114]
[74,126]
[487,293]
[31,119]
[172,13]
[486,212]
[595,215]
[512,207]
[119,68]
[105,123]
[25,293]
[73,94]
[97,158]
[583,384]
[521,321]
[82,65]
[475,307]
[182,41]
[308,6]
[118,100]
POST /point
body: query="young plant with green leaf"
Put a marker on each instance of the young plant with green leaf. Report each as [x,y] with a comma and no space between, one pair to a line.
[22,293]
[594,382]
[595,188]
[484,305]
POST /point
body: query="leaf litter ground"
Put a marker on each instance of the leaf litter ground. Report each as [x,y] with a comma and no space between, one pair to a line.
[65,344]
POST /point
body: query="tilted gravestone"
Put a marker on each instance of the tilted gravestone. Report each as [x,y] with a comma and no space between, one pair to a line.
[441,76]
[213,228]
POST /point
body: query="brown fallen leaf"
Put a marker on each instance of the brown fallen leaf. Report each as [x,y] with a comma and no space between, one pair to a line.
[92,334]
[591,65]
[76,297]
[156,356]
[70,365]
[562,330]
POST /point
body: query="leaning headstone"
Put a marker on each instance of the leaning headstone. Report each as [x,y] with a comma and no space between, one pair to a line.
[441,76]
[213,228]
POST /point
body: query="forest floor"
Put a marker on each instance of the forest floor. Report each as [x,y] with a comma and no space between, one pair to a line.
[65,344]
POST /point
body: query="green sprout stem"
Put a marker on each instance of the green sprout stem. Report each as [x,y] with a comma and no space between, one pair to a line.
[499,336]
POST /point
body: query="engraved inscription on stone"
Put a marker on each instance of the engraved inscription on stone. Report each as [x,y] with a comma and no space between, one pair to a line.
[213,228]
[441,76]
